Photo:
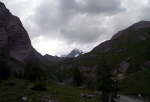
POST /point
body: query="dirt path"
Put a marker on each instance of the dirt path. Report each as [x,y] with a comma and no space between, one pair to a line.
[129,99]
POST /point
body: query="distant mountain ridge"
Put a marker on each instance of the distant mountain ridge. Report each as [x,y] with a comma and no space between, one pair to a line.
[73,54]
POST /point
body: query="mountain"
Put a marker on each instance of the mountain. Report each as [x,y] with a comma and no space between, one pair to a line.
[54,59]
[74,53]
[13,35]
[15,44]
[128,50]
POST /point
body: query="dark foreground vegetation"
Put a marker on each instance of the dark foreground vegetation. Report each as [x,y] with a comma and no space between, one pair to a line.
[17,90]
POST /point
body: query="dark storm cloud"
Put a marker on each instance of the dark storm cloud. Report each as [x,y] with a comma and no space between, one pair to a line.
[62,19]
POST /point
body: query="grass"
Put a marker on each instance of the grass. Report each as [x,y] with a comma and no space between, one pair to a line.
[137,83]
[62,93]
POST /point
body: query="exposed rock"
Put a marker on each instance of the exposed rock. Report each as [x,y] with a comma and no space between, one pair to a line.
[24,98]
[145,65]
[87,95]
[47,98]
[123,67]
[142,37]
[120,76]
[139,95]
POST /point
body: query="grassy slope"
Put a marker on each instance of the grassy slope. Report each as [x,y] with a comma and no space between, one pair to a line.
[62,93]
[137,83]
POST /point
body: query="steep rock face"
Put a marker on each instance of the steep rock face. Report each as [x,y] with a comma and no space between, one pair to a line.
[13,35]
[15,44]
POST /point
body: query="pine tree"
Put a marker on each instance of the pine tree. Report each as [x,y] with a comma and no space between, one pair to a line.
[105,82]
[77,77]
[33,72]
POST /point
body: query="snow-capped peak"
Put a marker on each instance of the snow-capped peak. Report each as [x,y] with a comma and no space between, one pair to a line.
[77,50]
[75,53]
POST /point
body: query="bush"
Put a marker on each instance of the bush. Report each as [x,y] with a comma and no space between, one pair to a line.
[39,85]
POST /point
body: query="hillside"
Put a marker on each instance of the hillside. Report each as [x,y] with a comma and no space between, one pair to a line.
[129,49]
[126,52]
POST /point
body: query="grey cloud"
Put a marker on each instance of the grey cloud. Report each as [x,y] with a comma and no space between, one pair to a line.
[145,12]
[82,35]
[52,19]
[108,7]
[79,22]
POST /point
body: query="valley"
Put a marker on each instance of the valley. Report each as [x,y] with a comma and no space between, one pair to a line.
[120,65]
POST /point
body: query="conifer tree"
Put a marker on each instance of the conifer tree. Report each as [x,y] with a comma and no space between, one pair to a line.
[77,77]
[105,82]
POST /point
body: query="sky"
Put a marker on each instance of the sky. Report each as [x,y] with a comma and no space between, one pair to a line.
[56,27]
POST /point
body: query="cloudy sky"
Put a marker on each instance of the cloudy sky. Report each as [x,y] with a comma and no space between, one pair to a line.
[57,26]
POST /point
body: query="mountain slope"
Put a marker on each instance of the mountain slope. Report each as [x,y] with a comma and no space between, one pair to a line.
[128,49]
[54,59]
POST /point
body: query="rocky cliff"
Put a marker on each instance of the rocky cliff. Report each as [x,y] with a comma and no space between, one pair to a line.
[13,35]
[15,44]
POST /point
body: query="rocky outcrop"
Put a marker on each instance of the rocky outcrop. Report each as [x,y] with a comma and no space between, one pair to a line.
[123,67]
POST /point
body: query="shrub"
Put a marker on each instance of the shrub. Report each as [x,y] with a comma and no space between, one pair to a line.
[39,85]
